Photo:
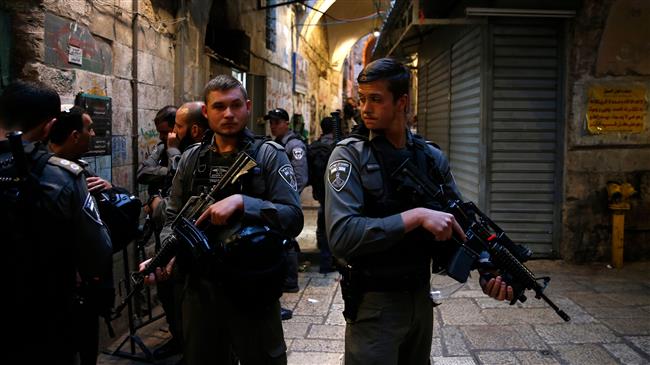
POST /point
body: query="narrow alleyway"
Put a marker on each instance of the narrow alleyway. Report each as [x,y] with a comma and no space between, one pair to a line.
[609,309]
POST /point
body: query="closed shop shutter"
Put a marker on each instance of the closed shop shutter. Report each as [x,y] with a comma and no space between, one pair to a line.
[421,111]
[465,114]
[5,50]
[434,100]
[523,133]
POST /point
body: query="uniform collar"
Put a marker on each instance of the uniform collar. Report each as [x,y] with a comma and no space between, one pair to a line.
[286,137]
[409,137]
[245,138]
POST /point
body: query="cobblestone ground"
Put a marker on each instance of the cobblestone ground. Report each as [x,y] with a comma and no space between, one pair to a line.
[609,309]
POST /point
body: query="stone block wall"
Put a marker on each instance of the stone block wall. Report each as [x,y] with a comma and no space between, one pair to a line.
[593,160]
[42,32]
[322,80]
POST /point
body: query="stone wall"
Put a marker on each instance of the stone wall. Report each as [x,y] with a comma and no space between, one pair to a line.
[322,80]
[43,31]
[591,160]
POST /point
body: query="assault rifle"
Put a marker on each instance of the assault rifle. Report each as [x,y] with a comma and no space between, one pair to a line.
[185,232]
[482,235]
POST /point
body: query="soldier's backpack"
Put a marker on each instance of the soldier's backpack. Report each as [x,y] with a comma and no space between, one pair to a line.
[318,153]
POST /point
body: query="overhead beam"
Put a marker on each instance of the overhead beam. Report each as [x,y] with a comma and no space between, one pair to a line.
[264,7]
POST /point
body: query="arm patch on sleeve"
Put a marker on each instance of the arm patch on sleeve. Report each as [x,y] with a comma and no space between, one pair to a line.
[298,153]
[338,174]
[287,174]
[90,208]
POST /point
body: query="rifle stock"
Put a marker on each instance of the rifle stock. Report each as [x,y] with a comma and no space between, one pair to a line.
[482,235]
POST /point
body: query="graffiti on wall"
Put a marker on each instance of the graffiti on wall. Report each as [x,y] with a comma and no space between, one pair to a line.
[69,44]
[147,141]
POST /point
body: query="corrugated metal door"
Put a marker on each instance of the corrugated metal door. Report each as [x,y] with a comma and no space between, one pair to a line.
[5,50]
[465,114]
[434,96]
[523,133]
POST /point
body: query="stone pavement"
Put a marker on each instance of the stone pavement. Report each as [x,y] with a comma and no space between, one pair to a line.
[609,309]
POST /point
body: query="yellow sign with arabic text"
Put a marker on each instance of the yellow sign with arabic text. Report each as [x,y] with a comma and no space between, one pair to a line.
[617,109]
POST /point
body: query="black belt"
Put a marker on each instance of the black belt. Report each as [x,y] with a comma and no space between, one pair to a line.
[402,282]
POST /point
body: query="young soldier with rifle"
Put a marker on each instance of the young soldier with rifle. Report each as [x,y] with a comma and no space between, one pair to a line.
[384,234]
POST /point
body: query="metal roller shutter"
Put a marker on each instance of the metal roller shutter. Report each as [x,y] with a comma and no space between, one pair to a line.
[422,101]
[435,99]
[523,133]
[465,114]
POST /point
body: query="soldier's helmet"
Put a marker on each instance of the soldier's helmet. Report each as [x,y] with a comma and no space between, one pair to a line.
[253,262]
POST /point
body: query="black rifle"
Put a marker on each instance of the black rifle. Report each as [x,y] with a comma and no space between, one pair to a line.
[338,133]
[185,232]
[482,235]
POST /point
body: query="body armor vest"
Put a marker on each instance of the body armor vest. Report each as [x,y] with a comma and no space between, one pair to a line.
[410,258]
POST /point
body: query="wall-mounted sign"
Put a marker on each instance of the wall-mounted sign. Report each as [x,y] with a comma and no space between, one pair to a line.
[99,109]
[617,109]
[75,55]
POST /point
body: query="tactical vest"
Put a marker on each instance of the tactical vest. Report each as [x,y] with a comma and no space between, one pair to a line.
[254,271]
[407,264]
[210,167]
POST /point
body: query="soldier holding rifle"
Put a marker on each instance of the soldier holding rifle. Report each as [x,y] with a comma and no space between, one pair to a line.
[218,318]
[380,232]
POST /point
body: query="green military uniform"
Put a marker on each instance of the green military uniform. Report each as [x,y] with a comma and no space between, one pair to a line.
[50,235]
[215,321]
[391,269]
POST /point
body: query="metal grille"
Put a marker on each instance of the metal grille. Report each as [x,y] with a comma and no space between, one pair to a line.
[465,114]
[523,133]
[435,97]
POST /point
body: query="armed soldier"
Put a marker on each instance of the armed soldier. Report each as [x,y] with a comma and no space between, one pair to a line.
[297,152]
[153,171]
[218,318]
[70,138]
[42,264]
[189,127]
[386,239]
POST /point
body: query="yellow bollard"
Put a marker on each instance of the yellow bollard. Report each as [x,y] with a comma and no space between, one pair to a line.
[618,195]
[618,229]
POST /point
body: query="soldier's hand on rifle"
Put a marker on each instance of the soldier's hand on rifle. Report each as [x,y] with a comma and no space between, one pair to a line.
[161,274]
[497,288]
[96,183]
[219,212]
[442,225]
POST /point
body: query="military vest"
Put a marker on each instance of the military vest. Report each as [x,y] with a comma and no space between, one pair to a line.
[384,196]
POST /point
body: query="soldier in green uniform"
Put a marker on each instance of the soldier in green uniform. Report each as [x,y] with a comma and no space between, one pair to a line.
[216,320]
[385,237]
[52,235]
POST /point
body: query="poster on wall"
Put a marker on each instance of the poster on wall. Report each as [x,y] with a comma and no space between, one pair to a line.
[99,109]
[617,109]
[299,74]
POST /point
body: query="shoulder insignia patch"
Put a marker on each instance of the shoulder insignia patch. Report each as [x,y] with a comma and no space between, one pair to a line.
[65,164]
[298,153]
[90,208]
[338,174]
[286,172]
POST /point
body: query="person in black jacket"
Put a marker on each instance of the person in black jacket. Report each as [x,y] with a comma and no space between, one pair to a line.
[52,235]
[69,139]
